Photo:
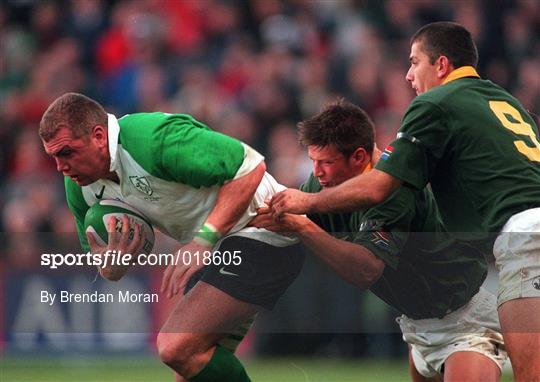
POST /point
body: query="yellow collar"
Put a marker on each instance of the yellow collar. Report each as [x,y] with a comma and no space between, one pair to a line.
[463,71]
[367,168]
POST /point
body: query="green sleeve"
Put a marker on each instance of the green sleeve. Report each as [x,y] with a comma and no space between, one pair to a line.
[201,157]
[384,229]
[420,144]
[176,147]
[78,207]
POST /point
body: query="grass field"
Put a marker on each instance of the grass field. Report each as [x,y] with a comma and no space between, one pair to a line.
[148,369]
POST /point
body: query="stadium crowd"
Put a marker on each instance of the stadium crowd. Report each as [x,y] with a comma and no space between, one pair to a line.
[250,69]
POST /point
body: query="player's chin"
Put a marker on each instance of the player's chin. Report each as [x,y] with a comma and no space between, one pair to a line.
[81,181]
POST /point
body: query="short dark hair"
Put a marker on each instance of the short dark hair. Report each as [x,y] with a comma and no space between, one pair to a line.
[340,123]
[77,112]
[445,38]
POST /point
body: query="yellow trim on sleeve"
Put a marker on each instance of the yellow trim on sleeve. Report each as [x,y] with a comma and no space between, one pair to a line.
[463,71]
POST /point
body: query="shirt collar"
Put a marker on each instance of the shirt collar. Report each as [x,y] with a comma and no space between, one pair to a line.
[368,168]
[113,132]
[463,71]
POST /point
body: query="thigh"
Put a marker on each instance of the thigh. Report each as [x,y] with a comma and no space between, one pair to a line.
[520,321]
[470,366]
[206,309]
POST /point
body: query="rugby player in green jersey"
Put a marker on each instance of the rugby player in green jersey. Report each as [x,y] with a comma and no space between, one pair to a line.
[197,186]
[400,251]
[480,151]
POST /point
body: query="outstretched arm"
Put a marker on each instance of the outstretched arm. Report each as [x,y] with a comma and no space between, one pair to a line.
[352,262]
[358,193]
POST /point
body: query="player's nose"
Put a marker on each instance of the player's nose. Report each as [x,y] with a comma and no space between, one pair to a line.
[317,170]
[61,166]
[409,76]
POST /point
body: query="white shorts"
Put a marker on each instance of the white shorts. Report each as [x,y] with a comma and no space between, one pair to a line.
[517,255]
[473,327]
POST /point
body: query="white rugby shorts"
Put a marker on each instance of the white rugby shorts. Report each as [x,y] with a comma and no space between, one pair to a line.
[517,255]
[474,327]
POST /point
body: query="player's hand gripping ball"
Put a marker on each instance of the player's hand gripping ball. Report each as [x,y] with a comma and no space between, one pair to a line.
[97,217]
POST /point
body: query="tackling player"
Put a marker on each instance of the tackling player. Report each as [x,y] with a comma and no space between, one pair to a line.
[480,151]
[400,251]
[200,188]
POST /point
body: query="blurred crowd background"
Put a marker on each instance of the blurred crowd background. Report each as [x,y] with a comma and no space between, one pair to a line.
[248,68]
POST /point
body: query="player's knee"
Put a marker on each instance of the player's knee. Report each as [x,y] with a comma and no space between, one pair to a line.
[174,350]
[168,348]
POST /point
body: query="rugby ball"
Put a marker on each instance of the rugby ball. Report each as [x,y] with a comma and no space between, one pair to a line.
[98,215]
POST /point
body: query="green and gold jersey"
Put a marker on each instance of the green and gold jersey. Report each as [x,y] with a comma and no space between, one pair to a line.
[477,146]
[427,273]
[171,168]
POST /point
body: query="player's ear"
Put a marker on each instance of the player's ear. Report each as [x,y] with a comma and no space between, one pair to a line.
[99,135]
[360,156]
[444,67]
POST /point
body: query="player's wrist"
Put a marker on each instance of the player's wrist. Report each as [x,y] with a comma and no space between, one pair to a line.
[311,202]
[295,223]
[208,235]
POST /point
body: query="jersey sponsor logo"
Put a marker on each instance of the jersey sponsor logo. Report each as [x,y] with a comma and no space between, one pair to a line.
[536,283]
[381,239]
[226,273]
[100,195]
[387,152]
[142,184]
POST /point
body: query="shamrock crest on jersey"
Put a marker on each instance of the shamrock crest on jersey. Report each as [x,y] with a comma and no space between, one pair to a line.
[142,184]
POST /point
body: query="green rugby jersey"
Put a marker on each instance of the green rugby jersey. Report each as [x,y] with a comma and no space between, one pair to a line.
[427,273]
[170,168]
[477,146]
